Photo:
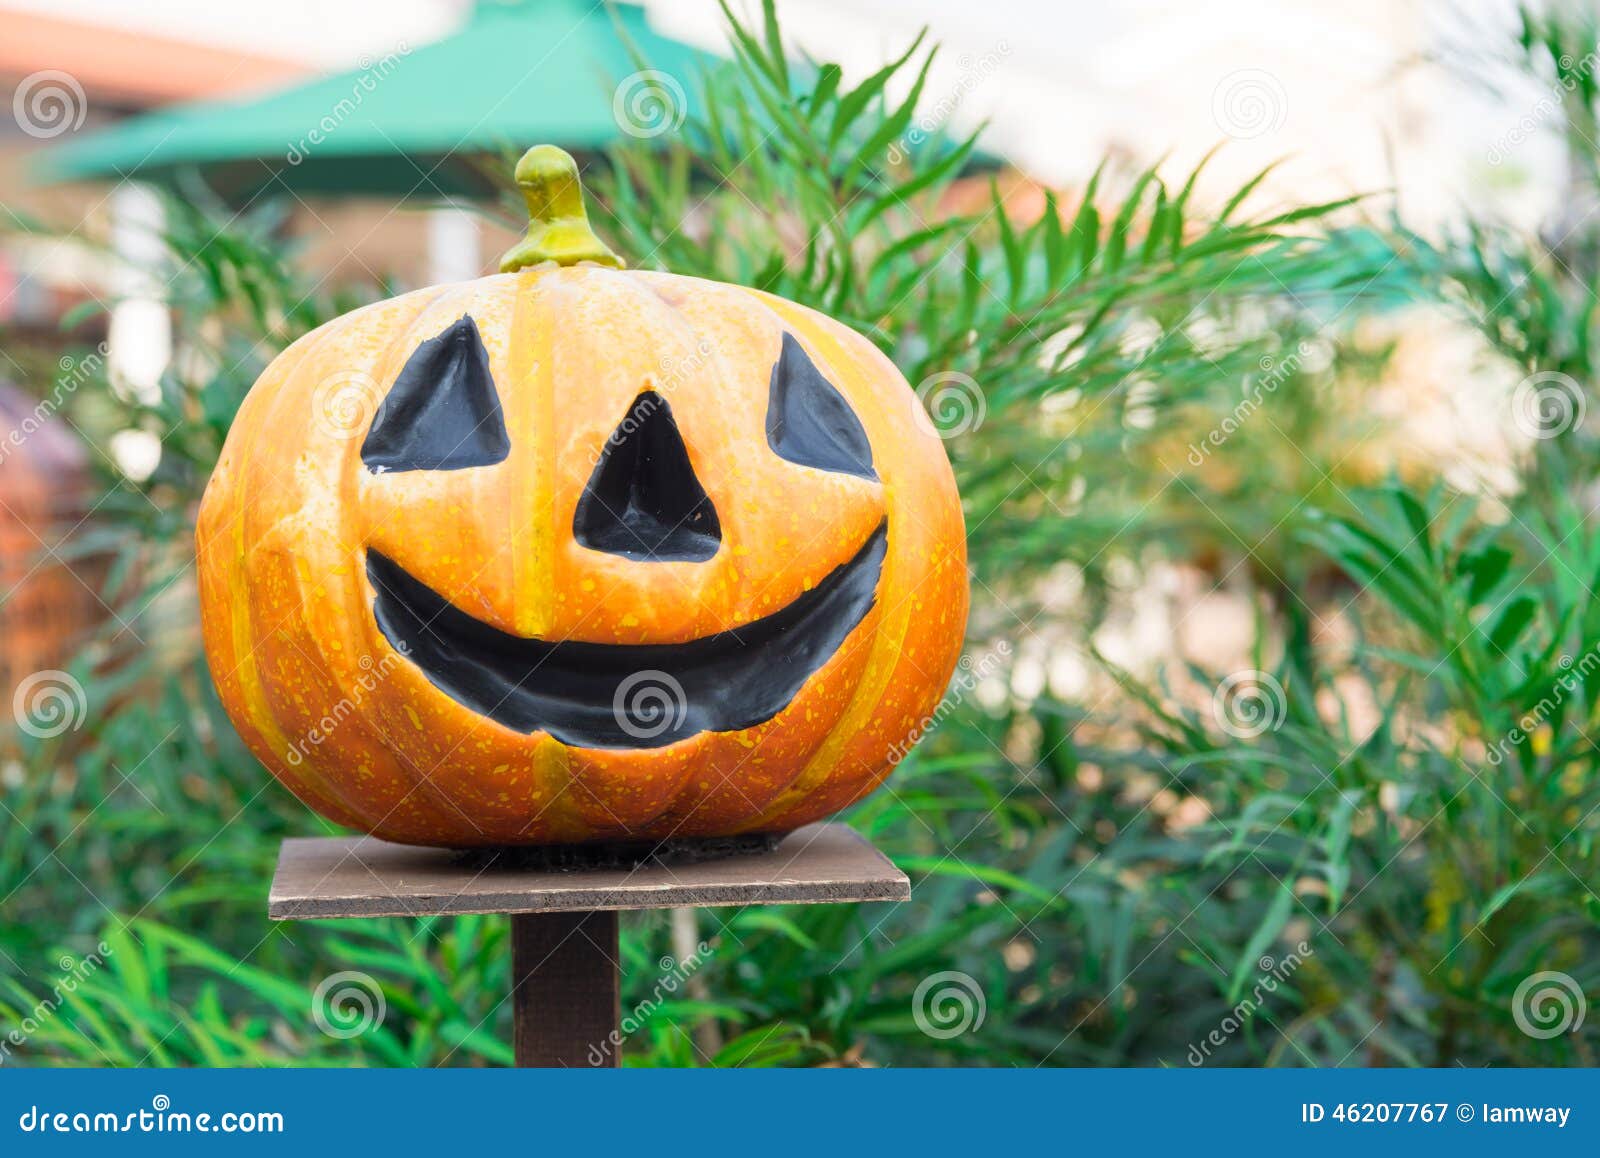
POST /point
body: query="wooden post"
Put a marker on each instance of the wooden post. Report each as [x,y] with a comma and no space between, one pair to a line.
[565,989]
[565,965]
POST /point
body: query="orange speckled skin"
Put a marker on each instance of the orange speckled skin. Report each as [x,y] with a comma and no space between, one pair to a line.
[356,730]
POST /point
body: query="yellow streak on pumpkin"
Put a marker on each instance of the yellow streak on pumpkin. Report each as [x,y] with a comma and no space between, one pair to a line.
[531,514]
[532,470]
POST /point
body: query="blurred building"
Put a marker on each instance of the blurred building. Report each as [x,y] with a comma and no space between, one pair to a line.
[60,75]
[1360,96]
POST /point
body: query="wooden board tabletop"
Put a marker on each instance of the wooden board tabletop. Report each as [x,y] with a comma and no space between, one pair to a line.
[327,877]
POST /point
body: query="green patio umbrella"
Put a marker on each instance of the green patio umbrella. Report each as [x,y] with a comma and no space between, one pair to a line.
[414,123]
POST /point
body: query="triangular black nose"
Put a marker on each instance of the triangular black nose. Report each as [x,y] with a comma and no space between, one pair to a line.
[643,500]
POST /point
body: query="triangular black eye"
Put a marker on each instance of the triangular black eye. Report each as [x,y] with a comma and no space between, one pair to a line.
[442,413]
[808,420]
[643,500]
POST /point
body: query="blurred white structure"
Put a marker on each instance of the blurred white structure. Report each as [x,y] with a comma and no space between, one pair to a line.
[141,327]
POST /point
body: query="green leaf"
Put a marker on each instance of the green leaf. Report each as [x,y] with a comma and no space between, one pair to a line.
[774,921]
[854,103]
[1272,923]
[1486,569]
[828,78]
[1511,622]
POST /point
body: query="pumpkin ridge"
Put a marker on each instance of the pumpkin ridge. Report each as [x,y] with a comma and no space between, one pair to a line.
[246,670]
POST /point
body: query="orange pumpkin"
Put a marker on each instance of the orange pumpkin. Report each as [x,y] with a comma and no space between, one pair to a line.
[574,553]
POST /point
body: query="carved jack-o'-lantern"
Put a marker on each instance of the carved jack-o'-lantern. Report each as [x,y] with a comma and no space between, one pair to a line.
[574,553]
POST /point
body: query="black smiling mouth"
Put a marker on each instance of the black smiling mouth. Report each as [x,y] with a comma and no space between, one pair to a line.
[595,695]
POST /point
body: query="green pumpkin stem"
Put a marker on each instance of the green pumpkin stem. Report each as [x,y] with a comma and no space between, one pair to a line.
[558,223]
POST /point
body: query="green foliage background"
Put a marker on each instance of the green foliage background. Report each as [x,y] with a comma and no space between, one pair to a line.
[1112,873]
